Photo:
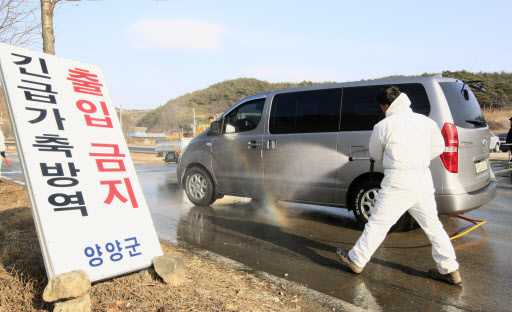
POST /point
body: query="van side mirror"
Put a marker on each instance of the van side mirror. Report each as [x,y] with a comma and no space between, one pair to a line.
[215,127]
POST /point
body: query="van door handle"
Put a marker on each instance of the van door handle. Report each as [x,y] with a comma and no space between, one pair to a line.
[271,144]
[253,144]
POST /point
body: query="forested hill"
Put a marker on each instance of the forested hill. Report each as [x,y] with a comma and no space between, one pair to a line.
[177,113]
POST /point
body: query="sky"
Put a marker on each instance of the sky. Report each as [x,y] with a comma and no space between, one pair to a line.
[153,51]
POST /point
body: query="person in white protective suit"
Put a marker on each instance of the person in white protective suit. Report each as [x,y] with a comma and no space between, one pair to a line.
[2,152]
[405,143]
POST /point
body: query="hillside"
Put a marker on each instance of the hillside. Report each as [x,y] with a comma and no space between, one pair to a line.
[177,113]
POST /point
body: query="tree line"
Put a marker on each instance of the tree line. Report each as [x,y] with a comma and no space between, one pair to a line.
[498,86]
[177,113]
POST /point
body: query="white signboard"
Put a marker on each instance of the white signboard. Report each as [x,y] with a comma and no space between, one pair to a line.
[87,203]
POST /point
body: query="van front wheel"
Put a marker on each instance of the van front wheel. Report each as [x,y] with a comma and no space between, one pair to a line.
[363,202]
[199,187]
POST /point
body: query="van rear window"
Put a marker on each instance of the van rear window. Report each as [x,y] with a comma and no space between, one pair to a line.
[465,113]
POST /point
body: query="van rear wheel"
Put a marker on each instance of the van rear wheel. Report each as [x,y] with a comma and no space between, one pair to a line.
[363,202]
[199,187]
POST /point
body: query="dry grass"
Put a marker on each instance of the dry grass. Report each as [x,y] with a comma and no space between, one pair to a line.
[498,120]
[209,286]
[146,158]
[22,272]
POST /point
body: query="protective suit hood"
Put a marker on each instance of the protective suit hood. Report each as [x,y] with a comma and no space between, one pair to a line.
[400,104]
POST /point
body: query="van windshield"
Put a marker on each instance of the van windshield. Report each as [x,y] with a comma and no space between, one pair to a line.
[466,113]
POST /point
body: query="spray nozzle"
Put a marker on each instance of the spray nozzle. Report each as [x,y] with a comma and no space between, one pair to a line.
[372,162]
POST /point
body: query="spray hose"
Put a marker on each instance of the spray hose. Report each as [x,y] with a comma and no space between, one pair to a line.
[477,222]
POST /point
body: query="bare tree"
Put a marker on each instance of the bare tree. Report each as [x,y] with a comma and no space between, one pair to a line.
[47,8]
[19,24]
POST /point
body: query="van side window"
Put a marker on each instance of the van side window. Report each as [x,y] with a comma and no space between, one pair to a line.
[305,112]
[361,111]
[359,108]
[245,117]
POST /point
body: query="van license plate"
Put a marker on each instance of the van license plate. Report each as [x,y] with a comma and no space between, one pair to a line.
[481,166]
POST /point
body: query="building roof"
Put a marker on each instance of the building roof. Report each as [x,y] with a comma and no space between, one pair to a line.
[147,135]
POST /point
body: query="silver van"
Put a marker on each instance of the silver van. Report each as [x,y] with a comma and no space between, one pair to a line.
[297,144]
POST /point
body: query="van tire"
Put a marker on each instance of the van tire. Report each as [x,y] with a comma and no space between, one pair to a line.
[363,201]
[199,187]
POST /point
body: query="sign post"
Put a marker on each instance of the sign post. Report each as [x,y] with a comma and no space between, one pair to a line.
[87,203]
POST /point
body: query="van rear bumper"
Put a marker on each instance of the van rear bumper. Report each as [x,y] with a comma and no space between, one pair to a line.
[462,203]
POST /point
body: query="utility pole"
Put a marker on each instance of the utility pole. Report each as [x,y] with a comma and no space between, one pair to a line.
[121,117]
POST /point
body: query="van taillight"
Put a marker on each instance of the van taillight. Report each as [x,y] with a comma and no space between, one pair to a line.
[450,156]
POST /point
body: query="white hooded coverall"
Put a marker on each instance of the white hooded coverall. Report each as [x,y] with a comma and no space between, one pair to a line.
[405,143]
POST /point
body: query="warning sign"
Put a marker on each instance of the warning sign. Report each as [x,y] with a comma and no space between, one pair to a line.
[87,203]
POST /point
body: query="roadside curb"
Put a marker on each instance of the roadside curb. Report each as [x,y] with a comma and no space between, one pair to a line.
[321,298]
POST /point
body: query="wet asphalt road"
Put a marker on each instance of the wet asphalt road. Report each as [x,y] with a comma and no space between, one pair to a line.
[297,242]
